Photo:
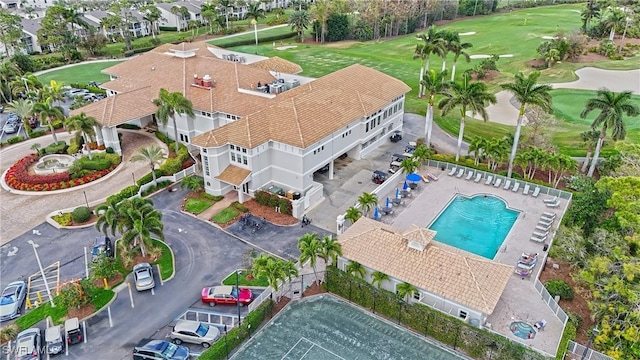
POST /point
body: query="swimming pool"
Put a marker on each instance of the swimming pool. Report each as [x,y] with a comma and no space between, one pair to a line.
[477,224]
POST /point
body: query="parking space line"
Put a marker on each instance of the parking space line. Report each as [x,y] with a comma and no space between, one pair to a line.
[130,295]
[152,291]
[84,330]
[36,287]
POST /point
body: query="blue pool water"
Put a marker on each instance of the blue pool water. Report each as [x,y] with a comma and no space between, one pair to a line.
[478,224]
[522,330]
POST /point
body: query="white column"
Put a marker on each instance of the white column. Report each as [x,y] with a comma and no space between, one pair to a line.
[331,170]
[340,224]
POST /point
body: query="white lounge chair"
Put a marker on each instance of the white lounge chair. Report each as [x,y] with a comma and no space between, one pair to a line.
[478,177]
[538,239]
[554,205]
[460,172]
[543,228]
[540,234]
[526,189]
[507,184]
[453,171]
[549,214]
[498,182]
[489,180]
[516,187]
[551,201]
[545,218]
[545,223]
[536,191]
[469,175]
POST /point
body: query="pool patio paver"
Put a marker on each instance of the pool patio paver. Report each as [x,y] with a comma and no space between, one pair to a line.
[520,301]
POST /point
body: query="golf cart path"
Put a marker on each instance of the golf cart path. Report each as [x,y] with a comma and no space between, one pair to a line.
[589,78]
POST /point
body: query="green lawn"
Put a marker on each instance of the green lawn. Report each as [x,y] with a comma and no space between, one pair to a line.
[82,73]
[242,280]
[197,205]
[166,260]
[249,36]
[225,215]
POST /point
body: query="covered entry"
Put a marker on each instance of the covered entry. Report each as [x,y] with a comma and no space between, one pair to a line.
[237,177]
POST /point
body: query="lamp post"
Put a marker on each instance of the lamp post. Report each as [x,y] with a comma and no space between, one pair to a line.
[255,29]
[225,340]
[44,278]
[85,198]
[238,299]
[594,333]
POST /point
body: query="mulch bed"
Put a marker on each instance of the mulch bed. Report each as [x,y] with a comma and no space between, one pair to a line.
[269,213]
[81,312]
[111,282]
[578,305]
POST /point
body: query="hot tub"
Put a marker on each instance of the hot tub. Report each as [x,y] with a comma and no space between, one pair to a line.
[522,330]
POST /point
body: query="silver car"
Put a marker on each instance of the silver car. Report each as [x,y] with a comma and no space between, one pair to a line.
[12,299]
[143,275]
[10,127]
[28,345]
[194,332]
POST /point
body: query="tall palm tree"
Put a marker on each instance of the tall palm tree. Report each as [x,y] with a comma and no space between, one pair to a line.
[8,72]
[589,138]
[152,14]
[409,165]
[612,107]
[430,43]
[192,183]
[75,18]
[421,154]
[590,12]
[405,290]
[225,5]
[181,13]
[356,269]
[378,278]
[615,20]
[310,247]
[465,95]
[448,38]
[458,49]
[52,92]
[152,155]
[527,91]
[145,221]
[48,113]
[109,216]
[27,84]
[254,11]
[367,201]
[169,104]
[194,26]
[299,21]
[433,84]
[209,14]
[85,126]
[477,146]
[330,249]
[353,214]
[21,107]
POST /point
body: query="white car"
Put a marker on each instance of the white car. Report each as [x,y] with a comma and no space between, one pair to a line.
[194,332]
[143,275]
[12,299]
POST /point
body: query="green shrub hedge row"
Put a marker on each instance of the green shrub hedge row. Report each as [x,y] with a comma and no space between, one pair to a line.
[154,188]
[239,207]
[266,39]
[272,200]
[15,139]
[234,337]
[424,320]
[59,148]
[128,126]
[149,177]
[125,193]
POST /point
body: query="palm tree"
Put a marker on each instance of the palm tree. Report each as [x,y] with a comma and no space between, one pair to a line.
[564,164]
[466,95]
[429,43]
[309,246]
[209,14]
[192,183]
[23,108]
[527,92]
[433,84]
[612,106]
[322,9]
[109,216]
[590,12]
[36,147]
[378,278]
[144,222]
[409,165]
[367,201]
[48,113]
[254,11]
[225,5]
[421,154]
[168,105]
[8,72]
[152,14]
[356,269]
[274,270]
[52,92]
[476,147]
[615,20]
[448,38]
[405,290]
[74,17]
[299,22]
[181,13]
[353,214]
[551,57]
[194,25]
[330,249]
[85,127]
[27,84]
[589,138]
[457,48]
[152,155]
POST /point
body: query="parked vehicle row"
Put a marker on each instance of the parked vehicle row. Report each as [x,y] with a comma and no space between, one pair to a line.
[29,343]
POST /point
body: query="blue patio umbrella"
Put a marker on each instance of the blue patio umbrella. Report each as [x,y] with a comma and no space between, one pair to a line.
[398,193]
[414,177]
[405,186]
[388,204]
[376,213]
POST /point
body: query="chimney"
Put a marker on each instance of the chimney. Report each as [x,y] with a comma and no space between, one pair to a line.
[206,81]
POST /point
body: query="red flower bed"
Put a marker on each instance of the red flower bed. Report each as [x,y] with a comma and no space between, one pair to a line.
[18,177]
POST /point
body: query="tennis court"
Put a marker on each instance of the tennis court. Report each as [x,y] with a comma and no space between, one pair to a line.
[326,328]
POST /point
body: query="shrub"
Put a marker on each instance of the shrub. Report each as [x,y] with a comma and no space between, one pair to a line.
[15,139]
[149,177]
[81,214]
[559,288]
[38,133]
[97,163]
[171,166]
[9,332]
[63,219]
[59,148]
[285,206]
[212,197]
[128,126]
[73,148]
[110,150]
[74,294]
[239,207]
[114,159]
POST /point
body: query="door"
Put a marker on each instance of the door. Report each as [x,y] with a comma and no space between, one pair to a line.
[245,188]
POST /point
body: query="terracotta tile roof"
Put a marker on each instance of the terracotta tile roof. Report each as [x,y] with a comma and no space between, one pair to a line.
[118,109]
[233,175]
[440,269]
[277,64]
[299,116]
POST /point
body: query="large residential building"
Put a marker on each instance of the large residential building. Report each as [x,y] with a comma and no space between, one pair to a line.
[258,124]
[451,280]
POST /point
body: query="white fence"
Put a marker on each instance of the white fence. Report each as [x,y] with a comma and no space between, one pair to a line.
[575,352]
[266,294]
[551,303]
[173,178]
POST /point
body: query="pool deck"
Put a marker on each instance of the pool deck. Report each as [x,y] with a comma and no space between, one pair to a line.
[520,301]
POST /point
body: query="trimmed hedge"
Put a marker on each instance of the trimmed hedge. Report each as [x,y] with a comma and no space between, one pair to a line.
[167,28]
[125,193]
[81,214]
[15,139]
[128,126]
[59,148]
[239,207]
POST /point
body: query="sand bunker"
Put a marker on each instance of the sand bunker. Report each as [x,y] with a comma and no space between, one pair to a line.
[286,47]
[484,56]
[467,33]
[549,37]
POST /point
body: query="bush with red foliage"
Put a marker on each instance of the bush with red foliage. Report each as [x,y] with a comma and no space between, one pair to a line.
[187,163]
[18,177]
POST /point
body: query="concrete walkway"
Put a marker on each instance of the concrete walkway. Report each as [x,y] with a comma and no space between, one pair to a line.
[20,212]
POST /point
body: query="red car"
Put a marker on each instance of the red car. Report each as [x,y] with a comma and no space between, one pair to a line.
[226,295]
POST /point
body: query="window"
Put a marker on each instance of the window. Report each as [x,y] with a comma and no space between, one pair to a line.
[236,155]
[206,166]
[417,295]
[462,314]
[366,128]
